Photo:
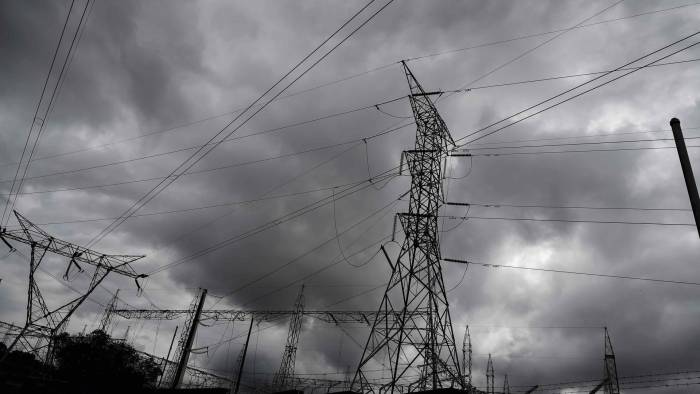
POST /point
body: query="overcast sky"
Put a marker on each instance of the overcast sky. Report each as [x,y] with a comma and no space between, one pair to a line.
[149,78]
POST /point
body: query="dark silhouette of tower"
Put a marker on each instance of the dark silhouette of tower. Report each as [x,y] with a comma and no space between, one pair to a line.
[416,344]
[284,377]
[612,386]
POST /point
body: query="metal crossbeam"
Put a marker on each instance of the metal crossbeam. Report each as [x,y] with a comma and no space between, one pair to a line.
[331,317]
[42,323]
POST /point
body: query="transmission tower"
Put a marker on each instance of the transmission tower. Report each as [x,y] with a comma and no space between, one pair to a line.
[467,357]
[612,386]
[42,324]
[175,372]
[490,386]
[284,377]
[107,316]
[506,386]
[423,342]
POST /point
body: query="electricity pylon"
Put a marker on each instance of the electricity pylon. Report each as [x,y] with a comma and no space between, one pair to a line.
[467,357]
[285,376]
[490,374]
[107,316]
[41,322]
[422,343]
[175,373]
[506,386]
[612,386]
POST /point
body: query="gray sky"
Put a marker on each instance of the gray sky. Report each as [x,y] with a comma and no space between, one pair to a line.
[177,70]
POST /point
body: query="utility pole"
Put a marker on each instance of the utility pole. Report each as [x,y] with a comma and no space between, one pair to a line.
[242,363]
[284,377]
[687,171]
[416,283]
[612,386]
[186,341]
[107,316]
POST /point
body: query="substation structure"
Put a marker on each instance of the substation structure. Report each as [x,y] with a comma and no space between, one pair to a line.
[284,379]
[43,323]
[411,334]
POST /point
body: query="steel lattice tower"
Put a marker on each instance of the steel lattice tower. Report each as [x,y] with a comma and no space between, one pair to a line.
[175,372]
[285,375]
[43,323]
[107,316]
[506,385]
[423,342]
[612,386]
[467,357]
[490,374]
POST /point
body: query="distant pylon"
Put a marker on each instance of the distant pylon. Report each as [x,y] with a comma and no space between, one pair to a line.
[490,387]
[285,376]
[175,372]
[422,344]
[107,316]
[467,357]
[506,386]
[612,386]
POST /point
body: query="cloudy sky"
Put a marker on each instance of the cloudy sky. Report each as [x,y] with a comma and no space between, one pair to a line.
[147,83]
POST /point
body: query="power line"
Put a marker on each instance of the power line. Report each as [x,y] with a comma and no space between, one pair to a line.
[576,87]
[676,282]
[496,154]
[49,107]
[36,111]
[237,138]
[503,84]
[579,136]
[534,35]
[499,205]
[273,223]
[338,260]
[324,147]
[523,54]
[382,67]
[195,157]
[203,207]
[567,220]
[574,144]
[312,250]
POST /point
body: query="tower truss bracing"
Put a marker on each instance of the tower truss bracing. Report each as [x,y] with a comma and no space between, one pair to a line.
[419,350]
[42,322]
[490,375]
[467,357]
[174,372]
[283,377]
[612,386]
[105,323]
[331,317]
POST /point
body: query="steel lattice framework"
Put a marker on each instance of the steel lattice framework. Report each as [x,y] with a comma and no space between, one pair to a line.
[424,342]
[283,377]
[331,317]
[612,385]
[41,322]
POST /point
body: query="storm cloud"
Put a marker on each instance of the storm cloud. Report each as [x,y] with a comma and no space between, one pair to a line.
[149,78]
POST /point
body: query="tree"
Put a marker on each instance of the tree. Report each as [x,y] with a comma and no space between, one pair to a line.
[98,363]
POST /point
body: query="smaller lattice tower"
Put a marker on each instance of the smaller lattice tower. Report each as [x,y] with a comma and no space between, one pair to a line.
[612,386]
[285,376]
[490,387]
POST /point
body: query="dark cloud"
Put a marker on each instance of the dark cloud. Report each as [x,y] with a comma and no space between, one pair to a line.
[147,67]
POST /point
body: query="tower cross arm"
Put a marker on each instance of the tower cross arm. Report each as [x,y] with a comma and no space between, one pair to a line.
[32,235]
